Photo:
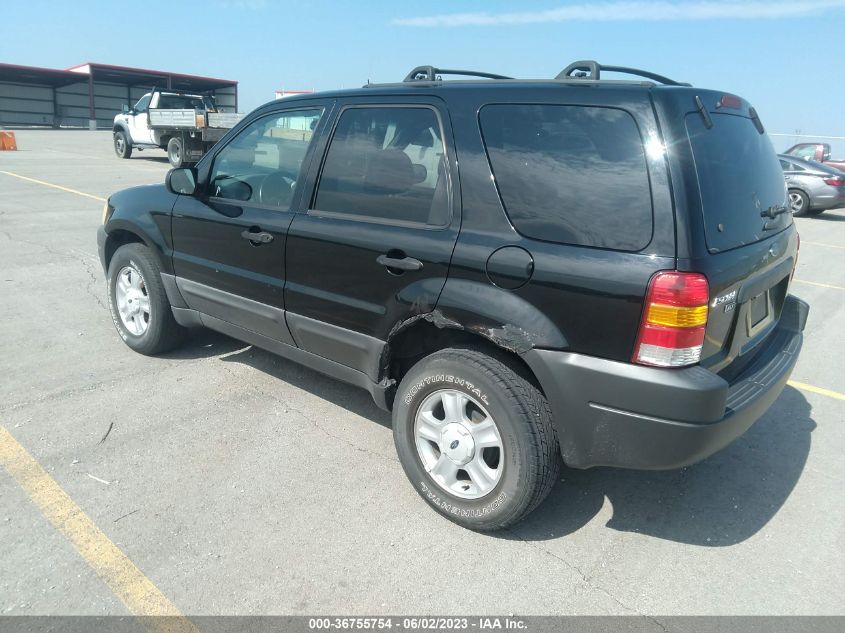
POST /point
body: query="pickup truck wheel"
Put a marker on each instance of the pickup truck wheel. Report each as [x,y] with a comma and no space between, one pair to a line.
[175,153]
[122,144]
[475,439]
[799,203]
[138,303]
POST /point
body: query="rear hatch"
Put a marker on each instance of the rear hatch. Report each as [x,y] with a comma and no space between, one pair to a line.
[736,230]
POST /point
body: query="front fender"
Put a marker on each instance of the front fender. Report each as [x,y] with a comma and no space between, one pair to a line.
[146,213]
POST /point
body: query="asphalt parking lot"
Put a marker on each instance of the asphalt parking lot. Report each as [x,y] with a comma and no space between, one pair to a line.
[239,483]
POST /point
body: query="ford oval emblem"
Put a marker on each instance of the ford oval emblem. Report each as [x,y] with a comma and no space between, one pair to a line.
[454,444]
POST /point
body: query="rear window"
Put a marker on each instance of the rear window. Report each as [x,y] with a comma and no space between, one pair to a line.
[571,174]
[180,102]
[739,177]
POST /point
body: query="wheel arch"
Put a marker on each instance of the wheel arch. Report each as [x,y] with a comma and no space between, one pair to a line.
[120,232]
[430,333]
[117,238]
[475,314]
[122,127]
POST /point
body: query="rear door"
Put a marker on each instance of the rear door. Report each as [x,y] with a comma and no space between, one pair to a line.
[373,247]
[749,243]
[229,240]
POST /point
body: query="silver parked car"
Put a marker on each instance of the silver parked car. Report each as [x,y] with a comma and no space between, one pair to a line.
[813,187]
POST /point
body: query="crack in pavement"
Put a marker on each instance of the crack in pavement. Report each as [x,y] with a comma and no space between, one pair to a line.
[313,421]
[89,272]
[587,580]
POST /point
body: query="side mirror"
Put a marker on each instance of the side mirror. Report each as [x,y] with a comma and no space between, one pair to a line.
[125,109]
[182,181]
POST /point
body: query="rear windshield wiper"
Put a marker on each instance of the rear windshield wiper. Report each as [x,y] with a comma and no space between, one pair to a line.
[773,211]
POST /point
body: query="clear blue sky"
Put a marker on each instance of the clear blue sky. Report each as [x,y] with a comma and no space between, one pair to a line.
[785,56]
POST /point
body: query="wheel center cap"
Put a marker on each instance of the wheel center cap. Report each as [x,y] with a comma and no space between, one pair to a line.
[132,300]
[457,444]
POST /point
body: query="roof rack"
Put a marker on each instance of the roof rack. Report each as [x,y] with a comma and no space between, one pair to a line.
[430,73]
[586,70]
[579,70]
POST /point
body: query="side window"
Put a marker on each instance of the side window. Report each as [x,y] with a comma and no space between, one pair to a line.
[262,164]
[571,174]
[785,165]
[143,104]
[386,163]
[807,153]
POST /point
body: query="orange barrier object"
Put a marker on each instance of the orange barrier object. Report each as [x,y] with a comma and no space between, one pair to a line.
[7,141]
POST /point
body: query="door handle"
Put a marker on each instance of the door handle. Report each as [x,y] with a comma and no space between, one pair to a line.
[262,237]
[404,263]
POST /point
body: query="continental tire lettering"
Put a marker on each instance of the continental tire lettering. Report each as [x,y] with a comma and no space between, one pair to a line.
[451,508]
[447,379]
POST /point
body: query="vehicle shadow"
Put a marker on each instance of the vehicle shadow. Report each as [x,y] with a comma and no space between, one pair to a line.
[721,501]
[151,159]
[834,215]
[205,343]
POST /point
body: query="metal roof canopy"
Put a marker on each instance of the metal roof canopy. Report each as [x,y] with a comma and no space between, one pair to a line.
[153,78]
[13,73]
[94,74]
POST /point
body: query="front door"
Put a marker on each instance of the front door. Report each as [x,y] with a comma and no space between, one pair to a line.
[139,121]
[229,240]
[374,246]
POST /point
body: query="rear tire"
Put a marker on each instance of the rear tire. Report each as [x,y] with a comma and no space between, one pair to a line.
[175,152]
[122,144]
[799,203]
[441,429]
[138,302]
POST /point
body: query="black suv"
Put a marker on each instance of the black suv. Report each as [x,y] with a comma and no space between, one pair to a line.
[527,272]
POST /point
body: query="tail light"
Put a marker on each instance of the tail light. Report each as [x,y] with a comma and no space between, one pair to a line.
[674,320]
[835,181]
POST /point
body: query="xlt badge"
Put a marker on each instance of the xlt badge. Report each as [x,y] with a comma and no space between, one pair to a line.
[728,300]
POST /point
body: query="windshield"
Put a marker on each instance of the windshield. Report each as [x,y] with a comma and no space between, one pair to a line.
[740,178]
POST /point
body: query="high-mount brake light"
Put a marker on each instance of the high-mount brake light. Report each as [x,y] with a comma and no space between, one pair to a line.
[730,101]
[674,320]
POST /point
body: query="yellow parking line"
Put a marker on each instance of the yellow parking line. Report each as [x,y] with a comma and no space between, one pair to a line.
[816,283]
[125,580]
[49,184]
[819,390]
[822,244]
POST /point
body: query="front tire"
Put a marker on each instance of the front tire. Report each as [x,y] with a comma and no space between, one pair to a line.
[175,152]
[138,303]
[475,439]
[799,203]
[122,144]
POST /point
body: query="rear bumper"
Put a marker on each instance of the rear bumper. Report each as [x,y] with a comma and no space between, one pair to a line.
[830,198]
[609,413]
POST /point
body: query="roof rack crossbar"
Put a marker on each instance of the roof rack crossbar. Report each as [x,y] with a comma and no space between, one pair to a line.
[430,73]
[594,68]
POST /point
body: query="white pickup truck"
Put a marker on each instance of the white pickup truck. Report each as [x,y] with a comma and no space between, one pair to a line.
[185,125]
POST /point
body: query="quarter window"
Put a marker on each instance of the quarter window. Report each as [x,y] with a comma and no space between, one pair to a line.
[386,163]
[262,164]
[571,174]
